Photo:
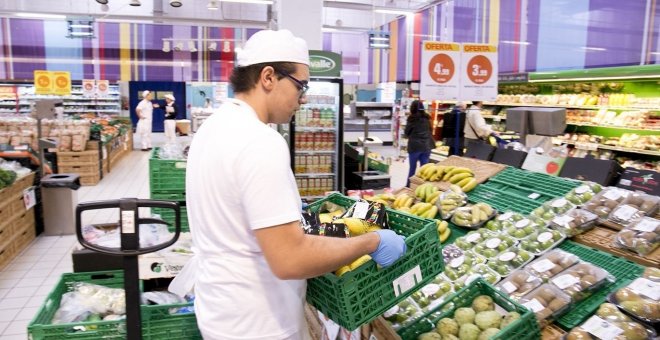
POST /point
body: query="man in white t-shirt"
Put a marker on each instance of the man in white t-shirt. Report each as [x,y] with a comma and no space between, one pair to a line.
[251,255]
[145,112]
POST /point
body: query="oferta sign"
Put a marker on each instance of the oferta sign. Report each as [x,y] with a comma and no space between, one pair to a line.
[324,64]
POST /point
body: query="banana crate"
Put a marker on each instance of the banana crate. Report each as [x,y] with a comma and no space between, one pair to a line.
[365,293]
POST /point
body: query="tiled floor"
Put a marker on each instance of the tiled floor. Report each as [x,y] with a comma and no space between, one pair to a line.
[25,283]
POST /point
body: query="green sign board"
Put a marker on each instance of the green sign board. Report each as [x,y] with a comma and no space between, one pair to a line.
[324,64]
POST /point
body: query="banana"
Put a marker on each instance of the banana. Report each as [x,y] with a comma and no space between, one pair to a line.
[458,177]
[445,235]
[360,261]
[423,168]
[463,182]
[425,207]
[325,218]
[485,208]
[470,185]
[397,202]
[415,208]
[409,202]
[442,226]
[456,189]
[343,270]
[404,209]
[475,214]
[434,200]
[431,212]
[482,215]
[357,226]
[434,195]
[373,228]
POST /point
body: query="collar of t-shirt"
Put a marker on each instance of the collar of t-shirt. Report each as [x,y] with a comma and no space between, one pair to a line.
[243,105]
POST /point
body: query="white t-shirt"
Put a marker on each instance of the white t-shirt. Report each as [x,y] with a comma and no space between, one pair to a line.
[475,122]
[239,179]
[147,108]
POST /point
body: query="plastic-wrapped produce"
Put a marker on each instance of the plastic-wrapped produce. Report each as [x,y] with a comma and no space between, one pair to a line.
[625,214]
[472,238]
[404,313]
[646,203]
[519,283]
[494,246]
[610,323]
[542,240]
[605,201]
[480,270]
[462,265]
[550,209]
[584,193]
[642,236]
[503,221]
[581,279]
[473,217]
[449,201]
[641,299]
[575,222]
[548,303]
[523,228]
[510,260]
[552,263]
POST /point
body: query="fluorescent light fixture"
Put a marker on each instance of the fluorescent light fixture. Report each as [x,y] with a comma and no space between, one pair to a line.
[328,29]
[380,39]
[379,45]
[259,2]
[40,15]
[513,42]
[80,26]
[594,49]
[81,34]
[212,6]
[393,11]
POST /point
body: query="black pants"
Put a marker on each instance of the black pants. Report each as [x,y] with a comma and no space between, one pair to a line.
[453,150]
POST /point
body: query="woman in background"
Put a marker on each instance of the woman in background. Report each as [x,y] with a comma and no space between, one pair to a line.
[171,111]
[420,138]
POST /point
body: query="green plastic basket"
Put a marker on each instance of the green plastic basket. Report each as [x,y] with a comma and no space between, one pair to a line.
[525,328]
[157,322]
[526,182]
[362,295]
[168,196]
[625,272]
[502,200]
[165,175]
[167,215]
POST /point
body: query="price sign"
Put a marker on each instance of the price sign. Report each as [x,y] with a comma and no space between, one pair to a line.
[62,83]
[439,75]
[43,83]
[479,72]
[103,88]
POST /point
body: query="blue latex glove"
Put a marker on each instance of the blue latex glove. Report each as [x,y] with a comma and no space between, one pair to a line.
[391,247]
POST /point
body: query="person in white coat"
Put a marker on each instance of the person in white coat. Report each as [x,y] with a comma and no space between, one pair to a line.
[251,254]
[171,111]
[475,124]
[145,112]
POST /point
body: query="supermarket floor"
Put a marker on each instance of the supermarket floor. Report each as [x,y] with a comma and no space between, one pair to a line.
[25,283]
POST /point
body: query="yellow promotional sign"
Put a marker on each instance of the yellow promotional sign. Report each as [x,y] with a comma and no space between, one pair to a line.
[43,82]
[62,83]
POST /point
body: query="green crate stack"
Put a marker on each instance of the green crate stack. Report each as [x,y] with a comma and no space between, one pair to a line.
[523,329]
[167,181]
[362,295]
[623,270]
[502,200]
[157,322]
[524,183]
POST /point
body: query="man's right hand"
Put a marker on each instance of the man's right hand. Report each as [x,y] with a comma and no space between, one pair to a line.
[390,248]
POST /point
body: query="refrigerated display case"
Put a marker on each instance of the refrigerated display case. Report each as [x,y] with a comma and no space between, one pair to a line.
[316,140]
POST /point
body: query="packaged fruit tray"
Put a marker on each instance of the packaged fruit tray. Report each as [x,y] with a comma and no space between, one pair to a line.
[575,222]
[640,299]
[519,283]
[510,260]
[502,201]
[526,183]
[542,240]
[475,307]
[365,293]
[552,209]
[548,302]
[583,193]
[610,323]
[492,247]
[605,239]
[623,270]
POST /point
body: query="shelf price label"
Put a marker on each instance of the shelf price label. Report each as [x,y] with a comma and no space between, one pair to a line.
[441,62]
[479,72]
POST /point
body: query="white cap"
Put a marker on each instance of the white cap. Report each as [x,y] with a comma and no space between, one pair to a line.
[170,97]
[273,46]
[145,93]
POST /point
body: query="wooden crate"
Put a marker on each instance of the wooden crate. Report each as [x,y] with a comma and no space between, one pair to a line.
[7,253]
[88,180]
[78,158]
[24,236]
[85,169]
[603,238]
[21,184]
[381,329]
[552,332]
[93,145]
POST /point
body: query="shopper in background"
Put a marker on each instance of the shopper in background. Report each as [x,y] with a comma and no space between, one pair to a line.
[171,111]
[145,112]
[251,255]
[453,125]
[475,124]
[420,137]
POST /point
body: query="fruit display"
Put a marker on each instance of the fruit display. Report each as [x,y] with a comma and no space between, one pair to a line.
[610,323]
[434,293]
[509,261]
[462,265]
[523,228]
[642,236]
[574,222]
[625,214]
[519,283]
[403,313]
[584,193]
[553,208]
[472,238]
[385,198]
[443,230]
[641,299]
[604,202]
[461,176]
[428,193]
[424,210]
[542,240]
[480,270]
[450,200]
[547,302]
[503,221]
[403,202]
[473,216]
[579,280]
[551,264]
[643,202]
[492,247]
[652,274]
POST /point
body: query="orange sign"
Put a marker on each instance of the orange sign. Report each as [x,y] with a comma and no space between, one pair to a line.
[62,83]
[43,83]
[441,68]
[479,69]
[479,72]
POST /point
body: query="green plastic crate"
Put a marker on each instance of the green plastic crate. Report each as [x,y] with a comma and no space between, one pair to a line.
[168,196]
[525,328]
[502,200]
[167,215]
[524,182]
[625,272]
[362,295]
[165,175]
[157,322]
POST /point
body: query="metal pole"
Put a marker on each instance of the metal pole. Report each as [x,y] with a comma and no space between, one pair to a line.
[130,241]
[364,144]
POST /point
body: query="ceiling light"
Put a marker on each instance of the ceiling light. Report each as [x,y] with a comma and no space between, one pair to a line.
[513,42]
[594,48]
[393,11]
[212,6]
[102,2]
[191,46]
[40,15]
[166,46]
[175,3]
[135,3]
[260,2]
[213,46]
[80,26]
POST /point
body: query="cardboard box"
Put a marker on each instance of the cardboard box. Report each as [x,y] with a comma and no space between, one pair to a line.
[601,171]
[644,180]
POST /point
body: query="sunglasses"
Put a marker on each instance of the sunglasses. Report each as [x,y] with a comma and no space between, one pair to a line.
[302,86]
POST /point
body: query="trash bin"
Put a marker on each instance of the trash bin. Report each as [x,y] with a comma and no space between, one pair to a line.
[59,195]
[183,126]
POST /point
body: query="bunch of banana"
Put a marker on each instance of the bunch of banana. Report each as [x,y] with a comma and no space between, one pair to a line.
[432,172]
[403,200]
[386,199]
[443,230]
[328,217]
[472,216]
[450,200]
[463,177]
[427,192]
[354,265]
[357,226]
[424,210]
